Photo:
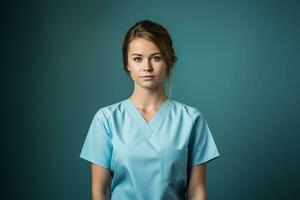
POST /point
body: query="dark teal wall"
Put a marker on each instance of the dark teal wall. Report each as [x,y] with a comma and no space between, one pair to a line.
[238,62]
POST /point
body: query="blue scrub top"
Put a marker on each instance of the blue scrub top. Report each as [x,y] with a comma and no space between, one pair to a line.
[149,160]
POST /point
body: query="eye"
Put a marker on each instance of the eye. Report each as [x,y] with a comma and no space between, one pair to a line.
[157,58]
[137,59]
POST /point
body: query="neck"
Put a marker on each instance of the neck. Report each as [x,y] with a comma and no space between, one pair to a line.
[148,99]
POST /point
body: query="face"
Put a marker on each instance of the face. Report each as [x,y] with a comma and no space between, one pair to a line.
[145,63]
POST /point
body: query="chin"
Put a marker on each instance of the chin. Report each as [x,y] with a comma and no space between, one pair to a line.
[149,86]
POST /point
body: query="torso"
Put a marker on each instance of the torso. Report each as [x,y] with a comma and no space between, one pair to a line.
[160,150]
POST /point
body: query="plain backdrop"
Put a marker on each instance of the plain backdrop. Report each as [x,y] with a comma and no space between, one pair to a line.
[238,63]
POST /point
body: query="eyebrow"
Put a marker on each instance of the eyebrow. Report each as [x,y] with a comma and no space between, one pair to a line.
[142,54]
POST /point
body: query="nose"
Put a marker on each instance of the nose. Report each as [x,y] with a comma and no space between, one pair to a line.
[147,66]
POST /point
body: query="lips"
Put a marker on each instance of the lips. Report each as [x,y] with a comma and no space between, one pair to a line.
[147,78]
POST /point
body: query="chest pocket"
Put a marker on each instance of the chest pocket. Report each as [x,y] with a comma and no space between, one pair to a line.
[174,164]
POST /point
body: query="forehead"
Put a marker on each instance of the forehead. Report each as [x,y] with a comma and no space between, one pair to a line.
[142,46]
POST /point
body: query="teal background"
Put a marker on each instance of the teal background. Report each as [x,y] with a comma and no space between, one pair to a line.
[238,63]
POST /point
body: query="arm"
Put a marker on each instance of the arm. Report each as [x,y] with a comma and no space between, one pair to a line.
[197,183]
[100,182]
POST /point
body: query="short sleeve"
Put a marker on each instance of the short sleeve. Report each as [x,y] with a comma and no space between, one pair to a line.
[97,147]
[202,147]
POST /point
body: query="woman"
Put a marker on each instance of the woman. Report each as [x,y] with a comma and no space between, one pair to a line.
[148,146]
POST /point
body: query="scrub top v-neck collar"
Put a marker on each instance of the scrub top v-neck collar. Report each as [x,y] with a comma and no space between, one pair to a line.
[156,119]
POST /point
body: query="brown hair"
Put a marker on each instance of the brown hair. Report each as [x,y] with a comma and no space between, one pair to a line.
[157,34]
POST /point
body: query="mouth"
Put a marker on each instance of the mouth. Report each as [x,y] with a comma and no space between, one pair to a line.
[147,77]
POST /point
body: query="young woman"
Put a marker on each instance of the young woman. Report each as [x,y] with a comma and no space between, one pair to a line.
[149,146]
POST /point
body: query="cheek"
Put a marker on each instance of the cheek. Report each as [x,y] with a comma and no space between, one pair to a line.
[137,66]
[134,66]
[134,72]
[161,65]
[161,68]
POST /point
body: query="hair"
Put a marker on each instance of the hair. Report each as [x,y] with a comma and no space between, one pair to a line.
[158,35]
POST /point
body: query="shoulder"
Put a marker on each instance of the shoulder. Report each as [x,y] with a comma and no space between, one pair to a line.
[192,111]
[108,110]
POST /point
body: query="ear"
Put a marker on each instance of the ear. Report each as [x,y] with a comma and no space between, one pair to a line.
[128,68]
